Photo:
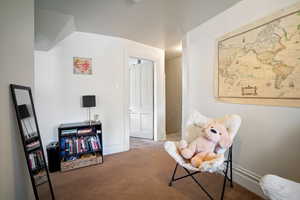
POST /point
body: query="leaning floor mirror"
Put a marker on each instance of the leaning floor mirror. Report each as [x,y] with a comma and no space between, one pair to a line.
[33,148]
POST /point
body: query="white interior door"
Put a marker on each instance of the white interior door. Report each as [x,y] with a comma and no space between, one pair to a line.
[141,98]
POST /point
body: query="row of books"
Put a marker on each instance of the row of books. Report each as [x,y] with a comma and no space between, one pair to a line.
[71,146]
[84,131]
[32,145]
[30,136]
[36,161]
[75,131]
[69,132]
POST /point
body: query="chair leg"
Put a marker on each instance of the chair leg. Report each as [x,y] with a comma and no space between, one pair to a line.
[225,179]
[203,189]
[172,179]
[229,161]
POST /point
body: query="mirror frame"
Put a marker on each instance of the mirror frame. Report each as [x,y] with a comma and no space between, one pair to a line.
[13,87]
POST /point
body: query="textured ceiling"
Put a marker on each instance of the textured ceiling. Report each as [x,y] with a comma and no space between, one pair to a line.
[159,23]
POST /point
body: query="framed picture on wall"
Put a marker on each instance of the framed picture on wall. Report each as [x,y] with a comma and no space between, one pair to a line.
[259,63]
[82,65]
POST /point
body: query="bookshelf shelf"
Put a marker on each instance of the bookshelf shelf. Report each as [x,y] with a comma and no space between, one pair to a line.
[38,147]
[83,153]
[87,134]
[79,135]
[80,145]
[70,135]
[32,139]
[36,171]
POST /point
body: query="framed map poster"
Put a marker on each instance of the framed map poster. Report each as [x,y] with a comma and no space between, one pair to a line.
[260,63]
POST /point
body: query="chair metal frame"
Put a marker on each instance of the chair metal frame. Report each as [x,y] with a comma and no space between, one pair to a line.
[228,163]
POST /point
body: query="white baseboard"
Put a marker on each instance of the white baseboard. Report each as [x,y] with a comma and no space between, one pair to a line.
[111,149]
[161,138]
[247,179]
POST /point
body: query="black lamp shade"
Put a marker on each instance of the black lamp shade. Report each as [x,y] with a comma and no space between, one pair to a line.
[89,101]
[23,111]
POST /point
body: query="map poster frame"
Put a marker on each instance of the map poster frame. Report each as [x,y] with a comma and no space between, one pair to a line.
[249,93]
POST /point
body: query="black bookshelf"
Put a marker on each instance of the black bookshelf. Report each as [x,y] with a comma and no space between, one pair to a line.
[74,128]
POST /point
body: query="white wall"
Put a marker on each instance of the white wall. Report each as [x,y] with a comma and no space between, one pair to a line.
[16,55]
[59,91]
[173,94]
[268,141]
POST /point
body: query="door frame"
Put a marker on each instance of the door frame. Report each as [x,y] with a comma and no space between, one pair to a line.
[159,125]
[153,92]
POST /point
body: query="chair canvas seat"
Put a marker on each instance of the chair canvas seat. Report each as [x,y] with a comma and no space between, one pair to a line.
[208,166]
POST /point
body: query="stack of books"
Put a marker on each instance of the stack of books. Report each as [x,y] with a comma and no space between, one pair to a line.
[30,136]
[32,145]
[36,161]
[68,132]
[74,146]
[84,131]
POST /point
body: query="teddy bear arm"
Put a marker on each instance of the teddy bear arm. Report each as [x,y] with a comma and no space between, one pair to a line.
[197,160]
[210,156]
[188,152]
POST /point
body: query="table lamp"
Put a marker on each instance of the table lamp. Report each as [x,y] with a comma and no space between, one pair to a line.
[89,101]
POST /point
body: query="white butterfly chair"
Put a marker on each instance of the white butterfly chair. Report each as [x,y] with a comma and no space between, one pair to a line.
[277,188]
[232,123]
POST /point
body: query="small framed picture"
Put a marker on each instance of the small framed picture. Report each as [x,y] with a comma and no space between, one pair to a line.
[82,65]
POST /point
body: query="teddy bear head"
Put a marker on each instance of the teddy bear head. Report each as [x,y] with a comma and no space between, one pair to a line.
[217,133]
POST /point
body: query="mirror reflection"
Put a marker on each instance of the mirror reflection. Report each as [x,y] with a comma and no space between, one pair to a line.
[26,114]
[43,191]
[32,143]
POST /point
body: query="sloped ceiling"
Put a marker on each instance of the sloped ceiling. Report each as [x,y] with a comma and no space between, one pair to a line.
[159,23]
[51,27]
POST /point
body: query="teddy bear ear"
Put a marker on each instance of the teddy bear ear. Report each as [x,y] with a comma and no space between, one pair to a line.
[225,140]
[207,124]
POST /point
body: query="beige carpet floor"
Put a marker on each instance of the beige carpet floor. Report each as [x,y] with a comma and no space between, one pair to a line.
[141,173]
[140,143]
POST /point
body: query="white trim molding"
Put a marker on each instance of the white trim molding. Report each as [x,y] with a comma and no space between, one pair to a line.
[247,179]
[157,56]
[112,149]
[185,85]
